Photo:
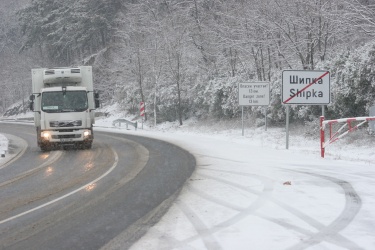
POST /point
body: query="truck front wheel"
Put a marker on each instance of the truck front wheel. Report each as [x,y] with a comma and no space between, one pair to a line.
[87,145]
[45,147]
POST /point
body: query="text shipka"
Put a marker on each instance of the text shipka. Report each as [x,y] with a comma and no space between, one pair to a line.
[306,93]
[308,80]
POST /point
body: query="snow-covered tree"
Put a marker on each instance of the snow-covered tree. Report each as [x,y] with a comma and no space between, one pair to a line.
[353,83]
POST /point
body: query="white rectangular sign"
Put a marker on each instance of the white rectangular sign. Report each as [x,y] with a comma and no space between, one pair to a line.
[306,87]
[254,93]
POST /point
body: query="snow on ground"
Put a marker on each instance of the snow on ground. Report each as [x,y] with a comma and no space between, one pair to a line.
[250,192]
[3,145]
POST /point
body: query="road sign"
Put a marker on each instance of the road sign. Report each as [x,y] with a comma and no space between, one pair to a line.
[254,94]
[306,87]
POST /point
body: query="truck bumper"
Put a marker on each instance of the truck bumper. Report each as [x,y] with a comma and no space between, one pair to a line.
[66,137]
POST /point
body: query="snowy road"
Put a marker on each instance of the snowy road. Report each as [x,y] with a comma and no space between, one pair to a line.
[81,199]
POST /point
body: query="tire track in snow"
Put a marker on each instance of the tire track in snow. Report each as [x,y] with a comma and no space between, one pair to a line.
[330,233]
[203,232]
[352,206]
[200,227]
[326,233]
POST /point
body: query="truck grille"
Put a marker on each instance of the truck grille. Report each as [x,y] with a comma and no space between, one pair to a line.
[55,124]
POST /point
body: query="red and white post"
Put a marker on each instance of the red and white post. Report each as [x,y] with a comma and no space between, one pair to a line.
[142,111]
[322,137]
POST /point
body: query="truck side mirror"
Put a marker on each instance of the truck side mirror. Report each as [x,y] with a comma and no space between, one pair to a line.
[97,102]
[31,104]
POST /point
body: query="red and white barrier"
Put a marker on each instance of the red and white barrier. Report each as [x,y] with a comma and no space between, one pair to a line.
[338,134]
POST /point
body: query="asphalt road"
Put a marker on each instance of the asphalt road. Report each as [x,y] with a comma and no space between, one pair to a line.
[81,199]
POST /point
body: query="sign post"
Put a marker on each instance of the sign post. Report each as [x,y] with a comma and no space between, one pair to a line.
[253,94]
[142,111]
[306,88]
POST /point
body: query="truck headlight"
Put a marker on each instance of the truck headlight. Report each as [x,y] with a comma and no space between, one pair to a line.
[46,135]
[86,133]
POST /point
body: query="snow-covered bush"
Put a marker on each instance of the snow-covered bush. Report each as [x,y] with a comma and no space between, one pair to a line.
[353,82]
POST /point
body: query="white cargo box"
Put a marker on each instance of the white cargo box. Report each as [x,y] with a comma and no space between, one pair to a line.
[53,77]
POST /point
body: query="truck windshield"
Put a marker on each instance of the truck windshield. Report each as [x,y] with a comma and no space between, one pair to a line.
[67,101]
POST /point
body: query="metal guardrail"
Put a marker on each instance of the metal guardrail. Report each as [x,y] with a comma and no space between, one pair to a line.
[24,119]
[127,122]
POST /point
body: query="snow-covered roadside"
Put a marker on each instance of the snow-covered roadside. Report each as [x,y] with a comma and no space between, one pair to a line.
[358,146]
[3,146]
[250,192]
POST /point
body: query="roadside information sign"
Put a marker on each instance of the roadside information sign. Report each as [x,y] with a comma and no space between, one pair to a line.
[254,94]
[306,87]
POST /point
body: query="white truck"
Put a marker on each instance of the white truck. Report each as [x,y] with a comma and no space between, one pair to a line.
[64,103]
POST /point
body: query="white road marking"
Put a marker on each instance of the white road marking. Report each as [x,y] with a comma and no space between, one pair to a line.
[66,195]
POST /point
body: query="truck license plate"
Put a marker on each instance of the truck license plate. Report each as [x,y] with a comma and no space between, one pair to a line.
[66,140]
